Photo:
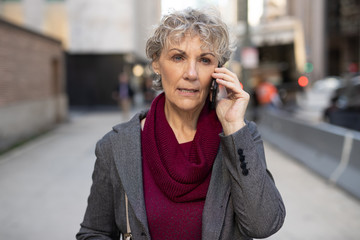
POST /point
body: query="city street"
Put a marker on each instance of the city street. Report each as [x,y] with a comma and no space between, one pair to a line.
[44,185]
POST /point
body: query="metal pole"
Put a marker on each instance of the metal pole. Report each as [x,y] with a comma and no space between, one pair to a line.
[246,43]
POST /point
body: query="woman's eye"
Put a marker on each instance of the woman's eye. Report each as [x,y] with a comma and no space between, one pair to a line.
[205,60]
[177,58]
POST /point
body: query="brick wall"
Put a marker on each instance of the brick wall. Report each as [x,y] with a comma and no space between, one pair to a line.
[32,84]
[31,65]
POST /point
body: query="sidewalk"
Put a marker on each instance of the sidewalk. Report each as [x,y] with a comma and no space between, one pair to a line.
[315,209]
[44,187]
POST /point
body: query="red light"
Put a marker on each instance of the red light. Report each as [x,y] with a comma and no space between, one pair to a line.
[303,81]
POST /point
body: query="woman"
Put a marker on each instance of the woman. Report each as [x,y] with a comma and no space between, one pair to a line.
[189,172]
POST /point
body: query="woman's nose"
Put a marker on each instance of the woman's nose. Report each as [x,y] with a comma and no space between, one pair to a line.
[191,72]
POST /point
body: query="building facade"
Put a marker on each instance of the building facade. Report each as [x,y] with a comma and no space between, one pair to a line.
[342,36]
[106,38]
[325,34]
[100,38]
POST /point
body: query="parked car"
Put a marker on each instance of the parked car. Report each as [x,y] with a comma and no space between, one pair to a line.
[344,107]
[312,101]
[317,96]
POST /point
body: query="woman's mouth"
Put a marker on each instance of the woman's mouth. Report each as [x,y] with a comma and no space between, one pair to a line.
[187,92]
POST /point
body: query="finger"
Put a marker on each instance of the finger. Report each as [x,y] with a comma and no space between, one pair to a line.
[227,76]
[230,85]
[233,88]
[227,80]
[225,71]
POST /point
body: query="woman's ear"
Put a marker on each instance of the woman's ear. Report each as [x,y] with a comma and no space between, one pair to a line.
[156,67]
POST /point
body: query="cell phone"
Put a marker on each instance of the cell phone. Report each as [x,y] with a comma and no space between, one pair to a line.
[214,88]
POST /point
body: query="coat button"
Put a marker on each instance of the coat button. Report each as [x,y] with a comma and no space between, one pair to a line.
[243,165]
[245,172]
[240,151]
[242,158]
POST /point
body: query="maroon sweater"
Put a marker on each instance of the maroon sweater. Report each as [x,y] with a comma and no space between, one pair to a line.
[168,219]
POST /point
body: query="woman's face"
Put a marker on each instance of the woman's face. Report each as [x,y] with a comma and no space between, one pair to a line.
[185,70]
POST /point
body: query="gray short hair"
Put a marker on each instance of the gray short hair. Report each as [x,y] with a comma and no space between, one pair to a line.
[206,24]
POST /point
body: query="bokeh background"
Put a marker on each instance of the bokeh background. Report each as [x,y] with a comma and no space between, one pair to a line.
[61,62]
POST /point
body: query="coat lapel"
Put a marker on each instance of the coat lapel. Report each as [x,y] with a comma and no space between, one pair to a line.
[127,156]
[216,201]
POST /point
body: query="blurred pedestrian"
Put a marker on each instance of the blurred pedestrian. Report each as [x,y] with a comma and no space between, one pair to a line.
[148,90]
[267,94]
[123,93]
[184,170]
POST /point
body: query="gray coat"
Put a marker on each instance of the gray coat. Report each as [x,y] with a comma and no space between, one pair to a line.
[237,206]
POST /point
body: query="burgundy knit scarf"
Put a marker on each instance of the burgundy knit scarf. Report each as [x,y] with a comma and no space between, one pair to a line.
[180,178]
